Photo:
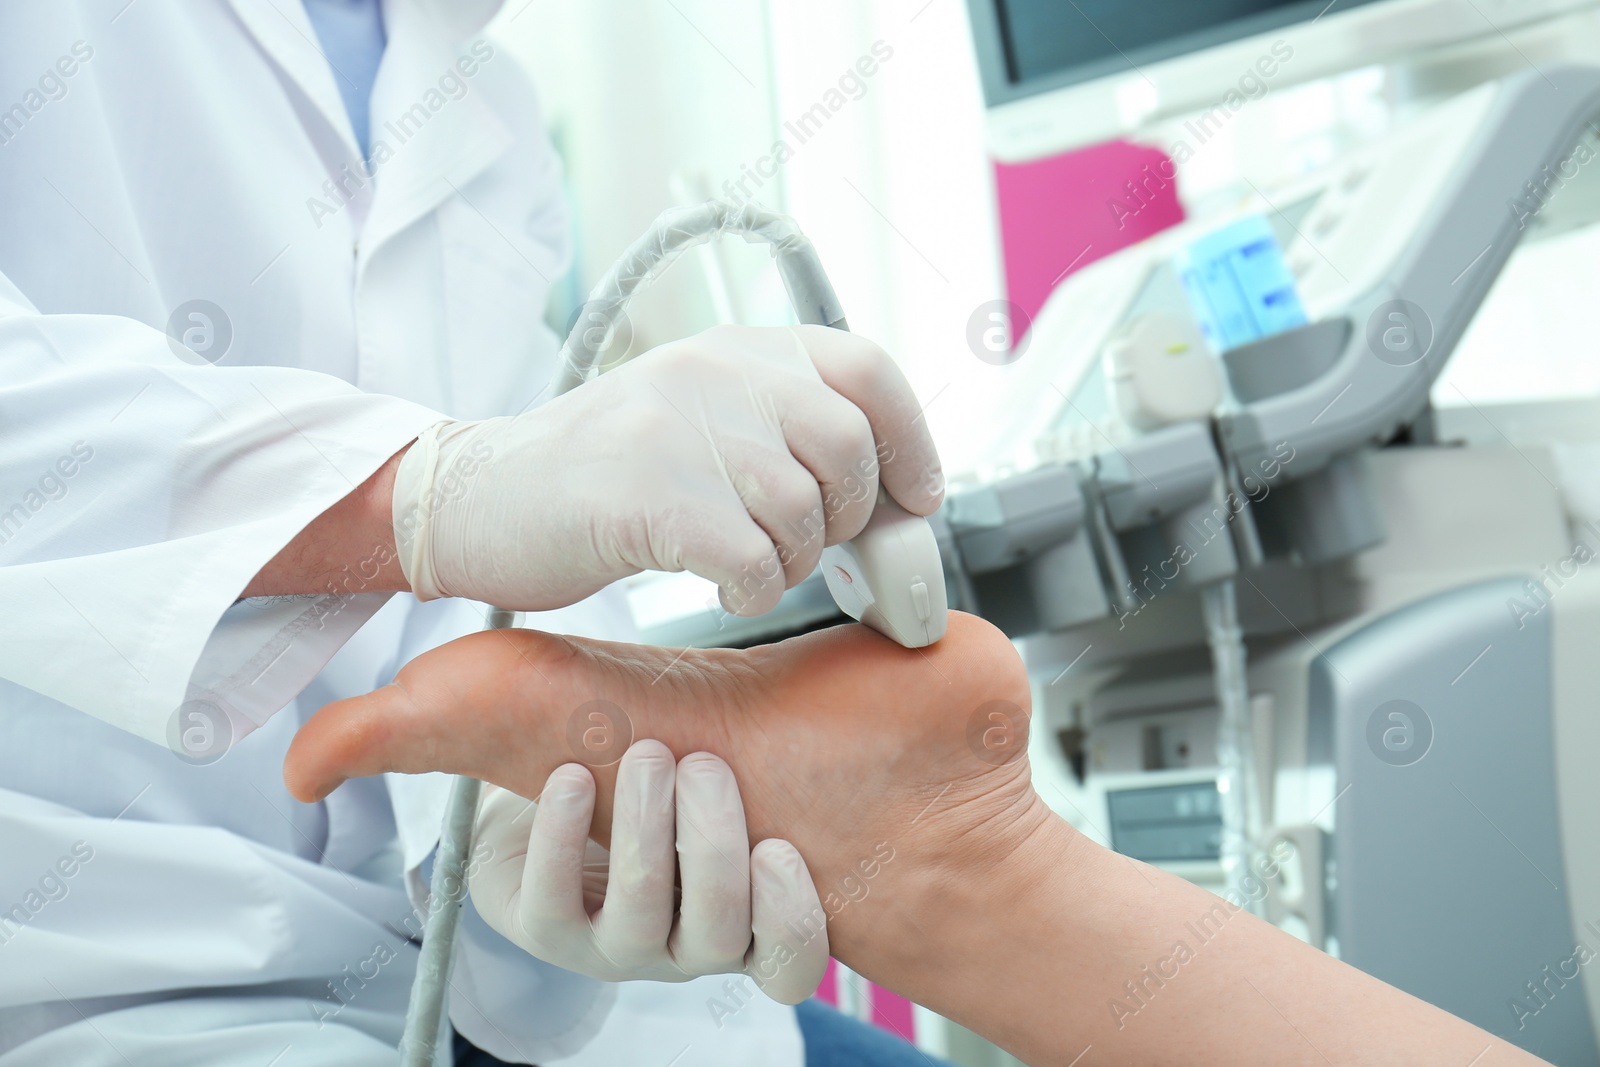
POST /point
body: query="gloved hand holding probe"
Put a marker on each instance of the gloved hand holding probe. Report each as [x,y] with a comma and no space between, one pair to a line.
[737,454]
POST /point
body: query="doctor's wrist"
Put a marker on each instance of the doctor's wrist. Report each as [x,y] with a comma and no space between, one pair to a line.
[349,548]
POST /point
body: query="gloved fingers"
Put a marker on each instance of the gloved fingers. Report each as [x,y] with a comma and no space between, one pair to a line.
[833,440]
[503,823]
[784,498]
[713,930]
[551,914]
[823,431]
[632,927]
[864,374]
[789,950]
[723,544]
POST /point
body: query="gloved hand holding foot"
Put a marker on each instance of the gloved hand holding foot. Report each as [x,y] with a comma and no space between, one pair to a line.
[615,914]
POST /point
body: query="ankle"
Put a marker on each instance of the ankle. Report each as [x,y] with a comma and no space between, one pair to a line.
[951,878]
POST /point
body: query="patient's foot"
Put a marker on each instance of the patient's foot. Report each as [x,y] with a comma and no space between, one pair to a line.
[843,742]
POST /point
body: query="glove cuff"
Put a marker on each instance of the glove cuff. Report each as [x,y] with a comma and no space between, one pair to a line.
[415,504]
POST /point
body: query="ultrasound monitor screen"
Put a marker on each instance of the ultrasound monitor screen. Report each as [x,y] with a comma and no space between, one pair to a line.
[1045,44]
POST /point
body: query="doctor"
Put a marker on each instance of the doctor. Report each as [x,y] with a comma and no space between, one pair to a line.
[231,360]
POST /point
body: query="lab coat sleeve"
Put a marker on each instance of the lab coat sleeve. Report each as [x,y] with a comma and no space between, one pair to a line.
[140,493]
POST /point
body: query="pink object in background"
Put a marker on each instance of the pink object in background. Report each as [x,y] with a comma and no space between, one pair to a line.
[891,1011]
[1059,214]
[828,991]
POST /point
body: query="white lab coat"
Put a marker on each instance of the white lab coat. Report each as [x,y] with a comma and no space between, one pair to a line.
[157,153]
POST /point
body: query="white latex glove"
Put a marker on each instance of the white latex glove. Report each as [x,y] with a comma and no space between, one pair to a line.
[616,916]
[737,454]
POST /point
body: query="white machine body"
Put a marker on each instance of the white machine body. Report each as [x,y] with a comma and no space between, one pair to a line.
[1339,235]
[1161,371]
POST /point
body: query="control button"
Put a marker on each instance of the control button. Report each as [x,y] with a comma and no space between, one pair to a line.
[844,575]
[919,598]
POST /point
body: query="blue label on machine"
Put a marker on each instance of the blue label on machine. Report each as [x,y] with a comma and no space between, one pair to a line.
[1239,285]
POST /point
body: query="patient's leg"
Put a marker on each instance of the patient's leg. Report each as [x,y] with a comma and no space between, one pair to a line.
[843,742]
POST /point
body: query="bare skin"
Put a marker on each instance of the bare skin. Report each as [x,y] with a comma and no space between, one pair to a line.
[989,908]
[356,535]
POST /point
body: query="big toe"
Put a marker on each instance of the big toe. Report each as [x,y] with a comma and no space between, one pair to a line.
[347,739]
